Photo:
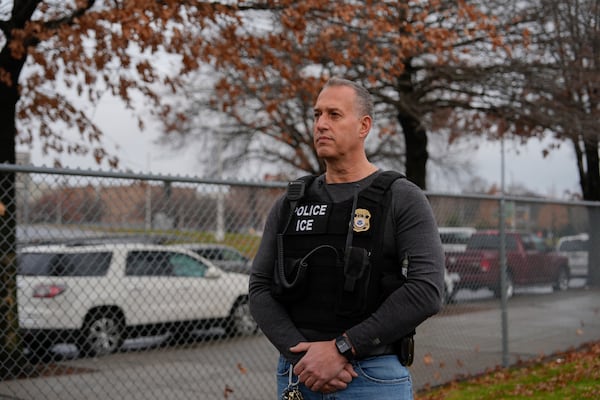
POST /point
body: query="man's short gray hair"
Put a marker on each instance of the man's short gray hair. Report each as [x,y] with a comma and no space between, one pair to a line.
[363,97]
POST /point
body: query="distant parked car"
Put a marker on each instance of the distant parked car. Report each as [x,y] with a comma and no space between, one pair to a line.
[576,249]
[528,262]
[451,280]
[225,257]
[96,296]
[455,238]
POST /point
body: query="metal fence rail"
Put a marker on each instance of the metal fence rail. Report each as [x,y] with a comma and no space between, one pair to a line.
[108,274]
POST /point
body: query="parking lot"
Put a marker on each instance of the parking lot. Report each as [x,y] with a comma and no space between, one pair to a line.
[465,338]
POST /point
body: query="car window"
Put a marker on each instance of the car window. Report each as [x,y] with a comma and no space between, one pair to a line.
[490,242]
[84,264]
[64,264]
[455,238]
[221,254]
[37,264]
[184,265]
[211,254]
[574,245]
[538,244]
[231,255]
[528,242]
[148,263]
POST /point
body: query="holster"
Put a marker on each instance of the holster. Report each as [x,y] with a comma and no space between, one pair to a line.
[405,350]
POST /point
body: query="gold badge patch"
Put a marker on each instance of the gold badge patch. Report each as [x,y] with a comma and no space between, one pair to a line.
[361,220]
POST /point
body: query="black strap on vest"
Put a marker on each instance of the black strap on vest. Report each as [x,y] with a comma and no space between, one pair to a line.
[381,184]
[356,260]
[295,192]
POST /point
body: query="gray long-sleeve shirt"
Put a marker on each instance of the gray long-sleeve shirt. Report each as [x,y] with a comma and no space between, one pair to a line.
[410,229]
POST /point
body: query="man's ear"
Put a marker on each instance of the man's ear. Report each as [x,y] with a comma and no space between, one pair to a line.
[365,125]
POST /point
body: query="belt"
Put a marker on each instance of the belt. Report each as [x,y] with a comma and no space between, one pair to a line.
[382,350]
[316,336]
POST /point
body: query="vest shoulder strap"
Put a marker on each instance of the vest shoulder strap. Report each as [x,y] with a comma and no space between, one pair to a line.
[381,184]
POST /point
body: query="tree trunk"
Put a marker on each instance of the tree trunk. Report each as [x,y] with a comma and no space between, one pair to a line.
[591,192]
[415,138]
[10,345]
[591,189]
[11,355]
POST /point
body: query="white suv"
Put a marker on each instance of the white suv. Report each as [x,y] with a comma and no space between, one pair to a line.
[97,295]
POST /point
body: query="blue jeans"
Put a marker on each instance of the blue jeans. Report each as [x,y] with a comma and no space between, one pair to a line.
[381,377]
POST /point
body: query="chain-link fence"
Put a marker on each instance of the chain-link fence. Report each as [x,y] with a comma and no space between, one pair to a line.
[113,303]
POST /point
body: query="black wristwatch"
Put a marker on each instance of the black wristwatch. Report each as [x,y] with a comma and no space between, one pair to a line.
[344,347]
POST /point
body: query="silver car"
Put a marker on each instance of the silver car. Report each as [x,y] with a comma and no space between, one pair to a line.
[575,248]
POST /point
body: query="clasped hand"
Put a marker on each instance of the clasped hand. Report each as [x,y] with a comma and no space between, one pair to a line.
[322,368]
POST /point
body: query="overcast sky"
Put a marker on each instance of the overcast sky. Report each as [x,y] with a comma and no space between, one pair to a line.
[551,176]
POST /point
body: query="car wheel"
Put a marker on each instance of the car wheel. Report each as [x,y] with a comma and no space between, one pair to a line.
[240,321]
[562,281]
[102,334]
[510,287]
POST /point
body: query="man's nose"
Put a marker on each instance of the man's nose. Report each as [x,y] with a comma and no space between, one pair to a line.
[320,123]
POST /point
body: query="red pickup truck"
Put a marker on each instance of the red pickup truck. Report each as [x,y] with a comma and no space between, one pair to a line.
[529,262]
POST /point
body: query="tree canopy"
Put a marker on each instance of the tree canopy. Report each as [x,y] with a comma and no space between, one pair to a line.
[271,58]
[406,54]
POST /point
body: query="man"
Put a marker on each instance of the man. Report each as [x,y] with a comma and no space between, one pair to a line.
[349,265]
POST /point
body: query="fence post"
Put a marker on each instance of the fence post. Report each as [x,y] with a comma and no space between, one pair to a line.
[503,272]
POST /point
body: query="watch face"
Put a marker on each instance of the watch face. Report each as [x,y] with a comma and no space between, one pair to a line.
[343,345]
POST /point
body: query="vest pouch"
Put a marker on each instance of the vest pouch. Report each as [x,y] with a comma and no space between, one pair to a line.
[290,281]
[352,295]
[356,263]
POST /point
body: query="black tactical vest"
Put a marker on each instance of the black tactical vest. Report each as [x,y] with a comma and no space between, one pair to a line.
[324,281]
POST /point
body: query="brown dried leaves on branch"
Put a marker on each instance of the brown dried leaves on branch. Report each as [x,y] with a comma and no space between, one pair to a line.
[96,47]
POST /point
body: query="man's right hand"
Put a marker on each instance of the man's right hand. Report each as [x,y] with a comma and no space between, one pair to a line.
[322,365]
[341,381]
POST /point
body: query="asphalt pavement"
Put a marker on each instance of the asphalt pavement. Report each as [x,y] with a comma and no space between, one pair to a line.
[464,340]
